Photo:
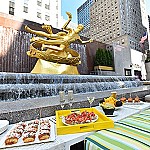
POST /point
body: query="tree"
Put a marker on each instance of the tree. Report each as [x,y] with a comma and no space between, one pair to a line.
[103,57]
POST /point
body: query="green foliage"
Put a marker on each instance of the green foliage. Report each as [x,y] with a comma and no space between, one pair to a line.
[103,58]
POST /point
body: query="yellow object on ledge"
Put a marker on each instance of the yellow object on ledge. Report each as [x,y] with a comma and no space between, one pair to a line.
[103,68]
[46,67]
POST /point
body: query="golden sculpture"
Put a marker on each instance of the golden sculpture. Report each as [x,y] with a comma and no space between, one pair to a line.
[55,48]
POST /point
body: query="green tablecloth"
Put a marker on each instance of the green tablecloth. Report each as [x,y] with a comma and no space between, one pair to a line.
[132,133]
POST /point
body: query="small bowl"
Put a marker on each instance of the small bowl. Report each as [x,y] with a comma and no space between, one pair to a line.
[108,111]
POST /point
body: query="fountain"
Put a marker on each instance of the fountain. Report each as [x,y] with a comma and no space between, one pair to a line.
[26,86]
[25,96]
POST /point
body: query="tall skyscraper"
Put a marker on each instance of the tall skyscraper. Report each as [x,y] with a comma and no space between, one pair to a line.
[83,14]
[121,24]
[40,11]
[118,21]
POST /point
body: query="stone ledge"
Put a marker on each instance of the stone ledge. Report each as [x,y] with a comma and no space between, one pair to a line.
[28,109]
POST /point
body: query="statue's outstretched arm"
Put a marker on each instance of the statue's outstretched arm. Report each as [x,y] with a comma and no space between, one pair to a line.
[68,21]
[39,33]
[44,34]
[84,42]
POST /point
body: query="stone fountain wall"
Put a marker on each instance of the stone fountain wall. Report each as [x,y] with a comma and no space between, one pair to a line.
[29,109]
[16,86]
[25,96]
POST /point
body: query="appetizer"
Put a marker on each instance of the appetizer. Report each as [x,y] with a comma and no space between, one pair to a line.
[80,118]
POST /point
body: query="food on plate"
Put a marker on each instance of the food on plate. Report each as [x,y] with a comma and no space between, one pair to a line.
[130,99]
[15,134]
[28,137]
[80,118]
[108,108]
[12,138]
[136,99]
[109,104]
[21,125]
[45,123]
[114,94]
[28,131]
[110,100]
[44,129]
[18,131]
[123,99]
[119,103]
[44,134]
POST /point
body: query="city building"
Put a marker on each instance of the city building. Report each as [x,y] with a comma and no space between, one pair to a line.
[118,21]
[121,24]
[40,11]
[83,15]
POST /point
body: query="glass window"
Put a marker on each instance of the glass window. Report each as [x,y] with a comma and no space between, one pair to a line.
[47,6]
[39,2]
[127,72]
[11,7]
[39,15]
[47,17]
[25,9]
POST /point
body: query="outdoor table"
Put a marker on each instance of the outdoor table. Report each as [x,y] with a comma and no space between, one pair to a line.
[129,133]
[63,142]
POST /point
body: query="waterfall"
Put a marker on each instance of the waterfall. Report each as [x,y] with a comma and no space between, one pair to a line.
[16,86]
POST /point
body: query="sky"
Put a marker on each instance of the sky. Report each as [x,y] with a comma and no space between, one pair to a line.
[148,6]
[72,5]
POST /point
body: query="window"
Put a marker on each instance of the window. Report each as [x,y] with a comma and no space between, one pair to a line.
[25,9]
[11,7]
[47,6]
[47,17]
[127,72]
[39,2]
[39,15]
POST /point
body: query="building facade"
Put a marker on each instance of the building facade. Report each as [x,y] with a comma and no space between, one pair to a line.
[121,24]
[118,21]
[40,11]
[83,15]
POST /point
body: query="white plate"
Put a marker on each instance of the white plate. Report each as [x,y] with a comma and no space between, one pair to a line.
[134,103]
[21,143]
[63,120]
[114,115]
[3,125]
[116,108]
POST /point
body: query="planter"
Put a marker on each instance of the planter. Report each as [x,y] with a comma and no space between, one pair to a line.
[103,68]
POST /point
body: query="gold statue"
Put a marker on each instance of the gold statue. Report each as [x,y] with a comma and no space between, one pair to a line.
[56,47]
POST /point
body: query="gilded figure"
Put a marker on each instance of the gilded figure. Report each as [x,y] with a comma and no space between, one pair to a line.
[56,47]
